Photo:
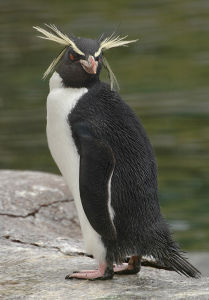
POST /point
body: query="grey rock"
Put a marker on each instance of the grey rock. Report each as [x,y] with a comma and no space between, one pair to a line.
[28,272]
[36,208]
[40,244]
[23,193]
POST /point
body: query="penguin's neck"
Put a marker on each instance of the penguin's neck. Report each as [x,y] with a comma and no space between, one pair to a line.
[55,82]
[62,98]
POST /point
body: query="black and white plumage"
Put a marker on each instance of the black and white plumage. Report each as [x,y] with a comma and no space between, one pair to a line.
[107,160]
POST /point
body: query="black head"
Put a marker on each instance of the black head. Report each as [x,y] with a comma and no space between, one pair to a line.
[81,60]
[80,70]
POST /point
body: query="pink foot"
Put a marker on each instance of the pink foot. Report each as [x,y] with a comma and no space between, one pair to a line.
[133,267]
[119,268]
[102,273]
[85,275]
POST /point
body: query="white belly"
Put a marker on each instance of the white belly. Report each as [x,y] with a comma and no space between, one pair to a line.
[60,102]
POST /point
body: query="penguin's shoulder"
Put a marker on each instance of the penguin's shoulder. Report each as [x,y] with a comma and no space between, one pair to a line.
[102,104]
[101,94]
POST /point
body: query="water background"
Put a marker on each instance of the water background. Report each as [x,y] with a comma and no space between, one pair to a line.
[164,77]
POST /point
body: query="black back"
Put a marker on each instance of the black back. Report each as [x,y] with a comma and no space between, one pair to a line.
[134,181]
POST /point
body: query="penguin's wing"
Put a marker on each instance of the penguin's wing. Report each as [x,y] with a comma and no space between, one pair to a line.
[96,167]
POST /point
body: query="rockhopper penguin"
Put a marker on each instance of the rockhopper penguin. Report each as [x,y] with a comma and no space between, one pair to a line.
[106,159]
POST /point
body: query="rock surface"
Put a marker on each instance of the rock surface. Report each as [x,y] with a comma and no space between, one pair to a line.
[37,208]
[40,244]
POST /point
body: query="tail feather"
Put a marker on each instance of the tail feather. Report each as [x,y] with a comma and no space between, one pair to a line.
[167,252]
[182,266]
[175,261]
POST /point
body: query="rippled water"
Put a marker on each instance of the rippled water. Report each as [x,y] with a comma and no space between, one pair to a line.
[164,77]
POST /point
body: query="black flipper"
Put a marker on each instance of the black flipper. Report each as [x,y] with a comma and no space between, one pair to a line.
[96,166]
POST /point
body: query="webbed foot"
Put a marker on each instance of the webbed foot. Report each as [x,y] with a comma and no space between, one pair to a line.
[132,267]
[103,273]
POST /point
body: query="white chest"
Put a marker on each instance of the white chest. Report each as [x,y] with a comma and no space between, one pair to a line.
[60,102]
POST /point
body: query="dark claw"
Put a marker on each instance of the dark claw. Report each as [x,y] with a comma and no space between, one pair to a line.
[68,277]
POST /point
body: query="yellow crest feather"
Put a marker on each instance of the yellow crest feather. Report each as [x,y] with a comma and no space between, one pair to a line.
[58,37]
[111,42]
[54,63]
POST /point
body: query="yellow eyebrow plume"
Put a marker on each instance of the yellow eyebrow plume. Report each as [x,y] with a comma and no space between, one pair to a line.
[58,37]
[111,42]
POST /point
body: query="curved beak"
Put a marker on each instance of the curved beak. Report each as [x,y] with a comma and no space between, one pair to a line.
[90,65]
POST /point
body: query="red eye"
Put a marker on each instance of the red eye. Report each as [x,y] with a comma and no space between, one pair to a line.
[72,57]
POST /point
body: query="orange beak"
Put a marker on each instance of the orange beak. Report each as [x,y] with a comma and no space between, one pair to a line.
[90,65]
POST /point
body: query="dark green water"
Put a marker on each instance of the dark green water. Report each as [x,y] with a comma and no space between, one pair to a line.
[164,77]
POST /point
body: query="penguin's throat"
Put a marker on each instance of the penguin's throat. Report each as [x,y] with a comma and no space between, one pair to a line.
[55,81]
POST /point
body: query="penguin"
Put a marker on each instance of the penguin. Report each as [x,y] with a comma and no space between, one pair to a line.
[105,156]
